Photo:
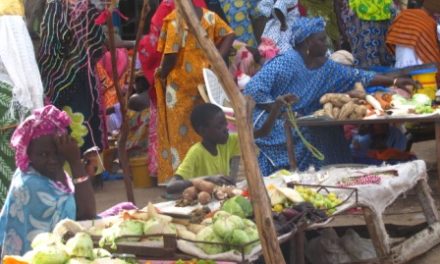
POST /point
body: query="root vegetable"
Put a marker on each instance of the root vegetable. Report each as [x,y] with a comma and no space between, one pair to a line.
[328,108]
[190,193]
[335,112]
[203,186]
[361,111]
[204,198]
[373,102]
[319,113]
[346,110]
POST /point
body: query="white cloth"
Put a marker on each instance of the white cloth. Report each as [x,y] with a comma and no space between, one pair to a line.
[406,56]
[18,57]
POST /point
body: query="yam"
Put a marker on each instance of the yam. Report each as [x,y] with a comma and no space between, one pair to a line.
[328,108]
[361,111]
[203,186]
[190,193]
[320,112]
[346,110]
[204,198]
[334,98]
[335,112]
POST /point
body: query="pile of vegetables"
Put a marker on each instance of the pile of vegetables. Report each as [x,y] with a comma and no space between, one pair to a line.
[419,103]
[204,191]
[341,106]
[228,232]
[48,248]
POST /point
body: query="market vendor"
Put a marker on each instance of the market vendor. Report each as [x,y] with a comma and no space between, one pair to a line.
[307,73]
[214,155]
[41,194]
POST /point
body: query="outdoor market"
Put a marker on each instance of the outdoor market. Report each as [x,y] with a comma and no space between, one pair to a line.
[219,131]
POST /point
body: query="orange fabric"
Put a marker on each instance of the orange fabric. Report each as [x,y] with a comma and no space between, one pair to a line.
[108,90]
[415,28]
[390,154]
[176,101]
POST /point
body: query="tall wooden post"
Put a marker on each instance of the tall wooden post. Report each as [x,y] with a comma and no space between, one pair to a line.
[243,113]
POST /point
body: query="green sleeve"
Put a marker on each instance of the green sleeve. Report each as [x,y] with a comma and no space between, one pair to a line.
[234,145]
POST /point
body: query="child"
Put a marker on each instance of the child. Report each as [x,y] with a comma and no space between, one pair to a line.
[41,194]
[215,153]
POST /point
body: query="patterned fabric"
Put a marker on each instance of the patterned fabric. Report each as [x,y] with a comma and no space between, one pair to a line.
[43,121]
[176,101]
[153,141]
[238,14]
[326,10]
[71,44]
[415,28]
[372,10]
[303,27]
[287,74]
[34,204]
[366,39]
[7,126]
[105,75]
[137,141]
[273,31]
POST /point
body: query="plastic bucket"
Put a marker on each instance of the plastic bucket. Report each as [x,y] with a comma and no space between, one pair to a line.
[427,79]
[139,172]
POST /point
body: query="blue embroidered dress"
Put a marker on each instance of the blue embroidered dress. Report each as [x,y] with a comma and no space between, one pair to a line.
[34,204]
[285,74]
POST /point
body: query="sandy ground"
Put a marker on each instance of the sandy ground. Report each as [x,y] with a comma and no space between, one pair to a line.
[114,192]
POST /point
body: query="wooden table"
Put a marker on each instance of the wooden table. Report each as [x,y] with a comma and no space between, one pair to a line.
[382,120]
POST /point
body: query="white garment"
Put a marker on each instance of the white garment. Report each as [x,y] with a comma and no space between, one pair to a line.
[18,57]
[406,56]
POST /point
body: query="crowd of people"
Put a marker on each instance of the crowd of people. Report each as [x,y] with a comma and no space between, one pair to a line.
[61,101]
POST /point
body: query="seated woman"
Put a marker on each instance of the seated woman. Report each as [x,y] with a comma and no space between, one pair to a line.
[307,73]
[41,194]
[219,151]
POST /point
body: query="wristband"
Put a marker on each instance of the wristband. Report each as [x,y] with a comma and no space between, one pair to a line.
[80,179]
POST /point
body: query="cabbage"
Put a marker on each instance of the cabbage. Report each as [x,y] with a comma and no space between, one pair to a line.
[207,234]
[421,99]
[81,245]
[224,226]
[109,261]
[156,226]
[249,224]
[124,228]
[238,205]
[218,215]
[78,261]
[238,237]
[253,236]
[49,254]
[44,239]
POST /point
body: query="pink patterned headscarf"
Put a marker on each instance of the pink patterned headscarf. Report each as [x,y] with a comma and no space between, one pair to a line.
[43,121]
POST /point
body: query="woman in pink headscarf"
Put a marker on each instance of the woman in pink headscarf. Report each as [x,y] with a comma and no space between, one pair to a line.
[41,194]
[150,60]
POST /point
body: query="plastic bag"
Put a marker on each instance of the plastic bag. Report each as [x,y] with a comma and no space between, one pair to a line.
[357,247]
[326,249]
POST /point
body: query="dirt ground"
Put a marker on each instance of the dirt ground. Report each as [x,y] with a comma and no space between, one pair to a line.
[114,192]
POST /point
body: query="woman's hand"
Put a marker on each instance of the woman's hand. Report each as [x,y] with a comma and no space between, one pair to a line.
[404,83]
[286,99]
[68,147]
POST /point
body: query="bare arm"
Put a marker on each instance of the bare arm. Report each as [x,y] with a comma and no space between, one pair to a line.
[177,184]
[225,45]
[401,82]
[84,194]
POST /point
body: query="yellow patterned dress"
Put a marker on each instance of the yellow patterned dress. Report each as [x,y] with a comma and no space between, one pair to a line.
[177,100]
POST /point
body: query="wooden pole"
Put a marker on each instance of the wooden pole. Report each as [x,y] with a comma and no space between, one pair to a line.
[144,12]
[243,112]
[122,141]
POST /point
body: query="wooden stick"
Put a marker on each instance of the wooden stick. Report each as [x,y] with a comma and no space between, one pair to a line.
[123,157]
[417,244]
[144,12]
[375,228]
[427,202]
[290,145]
[243,112]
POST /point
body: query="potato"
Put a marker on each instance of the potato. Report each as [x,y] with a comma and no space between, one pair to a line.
[190,193]
[204,198]
[203,186]
[361,111]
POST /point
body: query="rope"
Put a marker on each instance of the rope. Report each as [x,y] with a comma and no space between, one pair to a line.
[292,119]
